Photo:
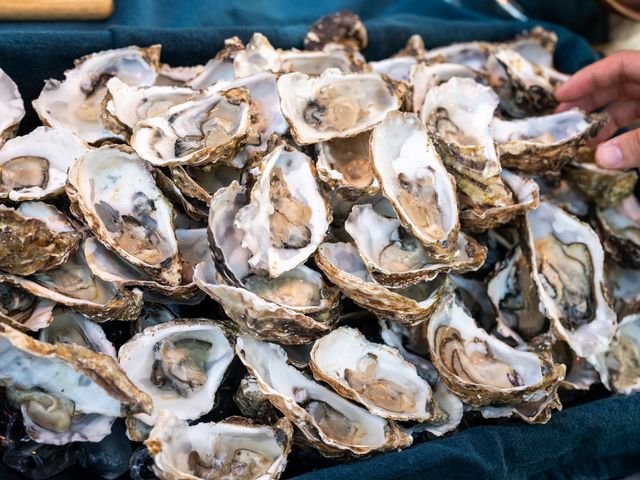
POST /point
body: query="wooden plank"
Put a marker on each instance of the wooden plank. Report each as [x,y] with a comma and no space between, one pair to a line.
[55,9]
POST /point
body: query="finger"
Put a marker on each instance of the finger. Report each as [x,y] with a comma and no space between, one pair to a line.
[599,98]
[621,152]
[621,114]
[617,69]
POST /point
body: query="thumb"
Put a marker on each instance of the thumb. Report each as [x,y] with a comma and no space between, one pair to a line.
[620,152]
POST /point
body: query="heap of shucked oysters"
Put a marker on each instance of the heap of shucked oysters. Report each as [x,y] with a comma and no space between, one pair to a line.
[281,183]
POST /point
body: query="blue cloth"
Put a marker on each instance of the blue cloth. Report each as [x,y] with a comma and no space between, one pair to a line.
[599,439]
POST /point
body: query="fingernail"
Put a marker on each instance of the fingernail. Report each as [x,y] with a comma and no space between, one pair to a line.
[609,155]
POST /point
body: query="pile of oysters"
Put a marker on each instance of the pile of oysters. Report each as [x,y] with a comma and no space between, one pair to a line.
[385,246]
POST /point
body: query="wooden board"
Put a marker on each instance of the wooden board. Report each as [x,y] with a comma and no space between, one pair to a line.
[55,9]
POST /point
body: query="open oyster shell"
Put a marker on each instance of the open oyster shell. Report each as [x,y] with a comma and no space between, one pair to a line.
[373,375]
[334,105]
[619,229]
[113,191]
[171,76]
[201,183]
[423,77]
[13,107]
[623,357]
[233,448]
[567,262]
[395,258]
[480,368]
[219,67]
[72,284]
[287,216]
[471,54]
[202,130]
[342,28]
[34,166]
[35,237]
[398,67]
[24,311]
[328,421]
[411,305]
[75,103]
[544,145]
[416,182]
[180,365]
[67,393]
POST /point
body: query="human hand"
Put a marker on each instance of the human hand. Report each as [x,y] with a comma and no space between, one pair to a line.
[613,83]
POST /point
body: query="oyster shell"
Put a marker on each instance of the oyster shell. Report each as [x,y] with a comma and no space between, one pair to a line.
[201,183]
[113,191]
[623,357]
[373,375]
[471,54]
[399,66]
[423,77]
[66,392]
[334,104]
[567,262]
[202,130]
[416,182]
[339,28]
[544,145]
[233,448]
[219,67]
[481,369]
[180,365]
[395,258]
[169,76]
[411,305]
[12,107]
[619,229]
[35,237]
[24,311]
[328,421]
[124,106]
[623,287]
[75,103]
[34,166]
[537,46]
[287,216]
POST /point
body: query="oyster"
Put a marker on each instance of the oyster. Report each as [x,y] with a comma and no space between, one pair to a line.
[481,369]
[567,264]
[395,258]
[34,166]
[415,181]
[373,375]
[260,56]
[342,28]
[536,45]
[72,328]
[124,106]
[66,392]
[113,191]
[202,130]
[234,448]
[75,103]
[423,77]
[35,237]
[176,76]
[478,218]
[72,284]
[154,314]
[287,216]
[410,306]
[180,365]
[334,104]
[24,311]
[623,357]
[328,421]
[471,54]
[619,229]
[623,287]
[606,188]
[201,183]
[219,67]
[399,66]
[544,145]
[12,107]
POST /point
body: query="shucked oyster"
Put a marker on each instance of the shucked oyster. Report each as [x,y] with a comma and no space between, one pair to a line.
[12,107]
[373,375]
[411,305]
[179,364]
[334,104]
[113,191]
[544,145]
[481,369]
[423,77]
[22,310]
[567,262]
[328,421]
[201,183]
[394,256]
[75,103]
[619,229]
[34,166]
[202,130]
[415,181]
[233,449]
[67,393]
[399,66]
[219,67]
[35,237]
[623,357]
[287,216]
